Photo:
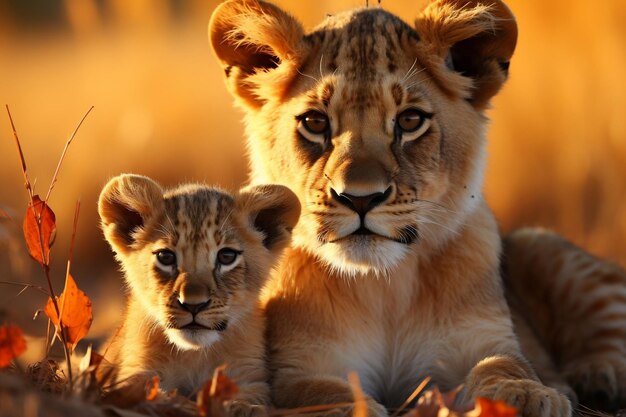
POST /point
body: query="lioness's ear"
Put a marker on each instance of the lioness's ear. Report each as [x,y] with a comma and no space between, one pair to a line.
[255,41]
[475,38]
[127,202]
[273,210]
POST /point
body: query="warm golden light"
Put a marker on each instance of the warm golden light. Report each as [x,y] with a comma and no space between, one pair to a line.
[557,140]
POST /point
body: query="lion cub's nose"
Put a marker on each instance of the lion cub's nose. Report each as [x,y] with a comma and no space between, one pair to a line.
[193,297]
[361,204]
[194,308]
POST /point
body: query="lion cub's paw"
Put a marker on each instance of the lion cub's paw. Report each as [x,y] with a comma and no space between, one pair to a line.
[599,381]
[239,408]
[532,398]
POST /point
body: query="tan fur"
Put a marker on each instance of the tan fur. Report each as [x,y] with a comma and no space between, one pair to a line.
[195,222]
[395,267]
[577,317]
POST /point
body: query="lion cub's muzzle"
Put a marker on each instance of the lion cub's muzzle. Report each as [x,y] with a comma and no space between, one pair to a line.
[196,309]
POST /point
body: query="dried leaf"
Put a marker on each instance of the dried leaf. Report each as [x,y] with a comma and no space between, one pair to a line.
[491,408]
[76,314]
[152,387]
[215,392]
[39,218]
[12,344]
[434,403]
[428,405]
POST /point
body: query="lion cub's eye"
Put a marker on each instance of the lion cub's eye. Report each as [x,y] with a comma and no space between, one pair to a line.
[227,256]
[165,257]
[412,123]
[314,126]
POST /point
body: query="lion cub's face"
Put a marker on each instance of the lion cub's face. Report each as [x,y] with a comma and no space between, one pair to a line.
[195,257]
[378,126]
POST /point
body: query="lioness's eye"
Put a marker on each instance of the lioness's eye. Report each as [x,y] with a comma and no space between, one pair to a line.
[411,124]
[410,120]
[227,256]
[165,257]
[315,122]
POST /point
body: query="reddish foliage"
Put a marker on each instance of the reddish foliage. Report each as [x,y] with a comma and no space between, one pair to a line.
[12,344]
[434,403]
[39,217]
[153,388]
[490,408]
[214,393]
[76,314]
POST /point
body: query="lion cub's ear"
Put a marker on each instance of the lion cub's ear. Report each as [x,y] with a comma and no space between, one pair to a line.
[273,210]
[475,38]
[259,47]
[127,203]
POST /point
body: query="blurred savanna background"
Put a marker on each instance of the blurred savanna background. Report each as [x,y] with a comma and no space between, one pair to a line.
[557,142]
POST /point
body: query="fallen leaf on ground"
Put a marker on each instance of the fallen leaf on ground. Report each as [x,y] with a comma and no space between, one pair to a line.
[491,408]
[76,313]
[215,392]
[12,344]
[153,388]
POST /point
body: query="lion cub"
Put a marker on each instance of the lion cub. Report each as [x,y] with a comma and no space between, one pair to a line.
[195,259]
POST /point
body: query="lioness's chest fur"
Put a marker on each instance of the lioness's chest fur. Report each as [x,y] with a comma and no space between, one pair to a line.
[428,318]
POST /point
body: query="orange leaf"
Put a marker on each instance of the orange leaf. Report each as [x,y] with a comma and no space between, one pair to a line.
[491,408]
[39,217]
[215,392]
[12,344]
[153,388]
[76,314]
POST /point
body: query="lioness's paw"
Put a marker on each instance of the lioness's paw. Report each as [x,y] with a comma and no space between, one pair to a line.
[530,397]
[599,381]
[238,408]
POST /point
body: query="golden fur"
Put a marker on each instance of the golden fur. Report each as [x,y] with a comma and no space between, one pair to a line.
[224,247]
[394,271]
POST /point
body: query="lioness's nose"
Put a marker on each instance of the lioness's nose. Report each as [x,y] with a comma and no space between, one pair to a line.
[361,204]
[194,308]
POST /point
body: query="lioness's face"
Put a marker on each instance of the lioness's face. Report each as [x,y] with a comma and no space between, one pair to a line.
[379,137]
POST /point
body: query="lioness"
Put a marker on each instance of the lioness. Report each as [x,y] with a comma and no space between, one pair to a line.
[379,128]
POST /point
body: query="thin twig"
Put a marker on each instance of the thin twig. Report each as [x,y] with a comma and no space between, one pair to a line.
[414,395]
[360,404]
[71,254]
[19,150]
[67,145]
[48,333]
[26,286]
